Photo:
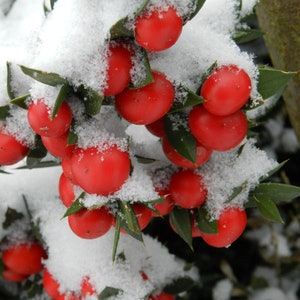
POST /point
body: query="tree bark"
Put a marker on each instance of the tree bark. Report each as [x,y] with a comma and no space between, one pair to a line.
[280,20]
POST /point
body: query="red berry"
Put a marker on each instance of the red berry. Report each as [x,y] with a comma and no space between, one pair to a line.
[187,189]
[220,133]
[13,276]
[159,29]
[162,296]
[24,258]
[69,296]
[66,165]
[143,215]
[202,155]
[90,224]
[157,128]
[87,289]
[226,90]
[101,172]
[231,224]
[58,146]
[39,118]
[66,190]
[166,206]
[51,286]
[11,150]
[147,104]
[118,71]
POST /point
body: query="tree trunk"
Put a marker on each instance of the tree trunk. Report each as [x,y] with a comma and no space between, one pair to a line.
[280,20]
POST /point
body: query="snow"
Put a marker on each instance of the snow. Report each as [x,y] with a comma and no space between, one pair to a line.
[72,41]
[222,290]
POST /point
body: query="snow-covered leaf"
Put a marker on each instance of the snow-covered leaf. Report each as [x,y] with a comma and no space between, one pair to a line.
[9,88]
[61,96]
[4,112]
[246,35]
[20,101]
[92,100]
[108,292]
[204,223]
[11,215]
[179,285]
[198,5]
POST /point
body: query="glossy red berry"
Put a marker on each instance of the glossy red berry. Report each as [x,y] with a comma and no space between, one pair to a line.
[11,150]
[87,289]
[13,276]
[157,128]
[100,172]
[226,90]
[147,104]
[25,258]
[158,29]
[187,189]
[50,284]
[90,224]
[166,206]
[220,133]
[39,119]
[118,70]
[58,146]
[162,296]
[231,224]
[66,190]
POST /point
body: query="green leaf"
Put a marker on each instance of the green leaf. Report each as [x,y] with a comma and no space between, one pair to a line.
[180,218]
[92,100]
[72,136]
[63,91]
[277,192]
[108,292]
[129,220]
[10,90]
[179,285]
[52,79]
[116,237]
[204,223]
[36,154]
[268,209]
[246,35]
[273,171]
[41,164]
[144,160]
[180,138]
[20,101]
[120,30]
[4,112]
[197,4]
[75,206]
[145,66]
[1,267]
[272,81]
[141,9]
[236,191]
[192,99]
[11,215]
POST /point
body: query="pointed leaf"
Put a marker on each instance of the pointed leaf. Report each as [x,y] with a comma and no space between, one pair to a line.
[108,292]
[272,81]
[236,191]
[4,112]
[180,137]
[61,96]
[41,164]
[246,35]
[204,223]
[120,30]
[11,215]
[143,63]
[274,171]
[10,90]
[91,99]
[268,209]
[75,206]
[72,136]
[20,101]
[197,5]
[144,160]
[36,154]
[180,218]
[179,285]
[116,237]
[52,79]
[278,192]
[192,99]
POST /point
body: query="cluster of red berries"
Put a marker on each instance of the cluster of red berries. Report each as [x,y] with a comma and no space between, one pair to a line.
[217,125]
